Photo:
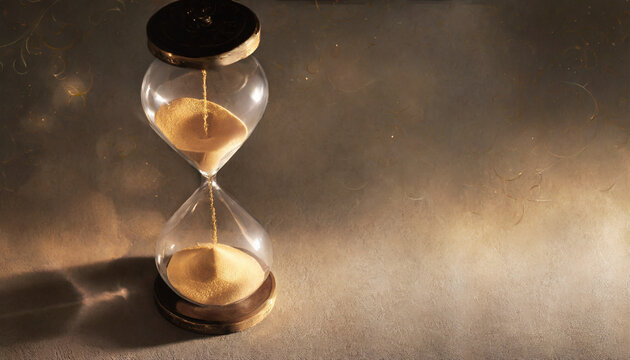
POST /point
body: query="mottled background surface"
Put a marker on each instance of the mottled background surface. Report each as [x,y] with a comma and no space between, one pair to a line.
[441,179]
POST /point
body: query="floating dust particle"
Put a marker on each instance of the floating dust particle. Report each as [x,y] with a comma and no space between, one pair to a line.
[181,122]
[214,274]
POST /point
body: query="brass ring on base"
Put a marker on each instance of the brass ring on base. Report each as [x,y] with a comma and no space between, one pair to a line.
[216,320]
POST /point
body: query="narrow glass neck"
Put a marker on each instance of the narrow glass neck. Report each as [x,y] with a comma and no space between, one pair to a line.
[209,179]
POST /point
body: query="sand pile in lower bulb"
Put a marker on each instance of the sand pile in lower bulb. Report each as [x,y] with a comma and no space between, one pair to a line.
[214,274]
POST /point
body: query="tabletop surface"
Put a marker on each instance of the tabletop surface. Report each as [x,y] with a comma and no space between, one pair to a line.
[440,179]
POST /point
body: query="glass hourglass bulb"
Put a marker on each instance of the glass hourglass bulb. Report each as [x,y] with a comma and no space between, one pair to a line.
[211,252]
[205,115]
[213,261]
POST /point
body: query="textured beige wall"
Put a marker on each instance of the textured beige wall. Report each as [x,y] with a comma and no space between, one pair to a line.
[440,180]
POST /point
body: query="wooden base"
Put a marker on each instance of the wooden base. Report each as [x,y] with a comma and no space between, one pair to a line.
[216,320]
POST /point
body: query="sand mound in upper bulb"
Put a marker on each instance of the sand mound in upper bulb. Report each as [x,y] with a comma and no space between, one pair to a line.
[181,121]
[214,274]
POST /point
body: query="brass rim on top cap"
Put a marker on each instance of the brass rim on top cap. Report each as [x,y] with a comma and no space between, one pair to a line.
[203,33]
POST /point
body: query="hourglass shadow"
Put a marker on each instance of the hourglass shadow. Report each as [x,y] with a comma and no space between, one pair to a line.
[108,304]
[36,306]
[128,316]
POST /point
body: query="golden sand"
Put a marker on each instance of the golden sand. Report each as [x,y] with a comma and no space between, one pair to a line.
[203,142]
[214,274]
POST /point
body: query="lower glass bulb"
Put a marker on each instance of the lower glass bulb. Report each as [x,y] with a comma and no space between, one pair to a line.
[212,252]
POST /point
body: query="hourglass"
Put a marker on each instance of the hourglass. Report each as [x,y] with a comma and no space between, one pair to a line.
[204,95]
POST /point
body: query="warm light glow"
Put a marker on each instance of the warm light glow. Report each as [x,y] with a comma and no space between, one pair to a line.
[159,99]
[105,296]
[257,94]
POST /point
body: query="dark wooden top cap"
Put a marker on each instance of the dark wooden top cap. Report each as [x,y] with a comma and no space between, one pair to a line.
[203,33]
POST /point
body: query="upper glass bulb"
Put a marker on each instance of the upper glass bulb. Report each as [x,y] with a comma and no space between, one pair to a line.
[205,115]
